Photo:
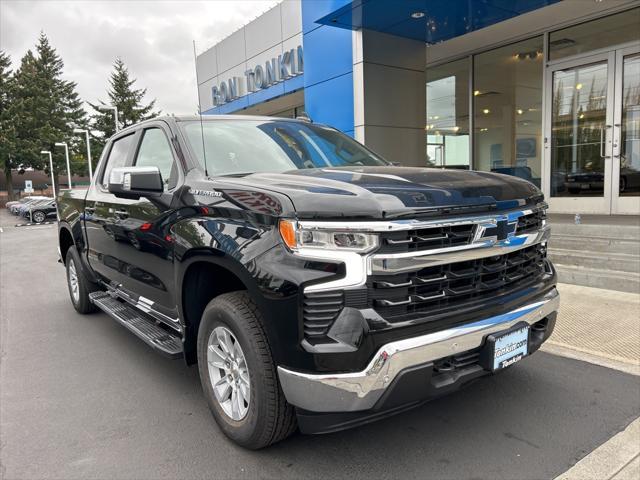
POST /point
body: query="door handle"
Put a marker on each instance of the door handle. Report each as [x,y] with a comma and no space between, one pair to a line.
[602,141]
[121,213]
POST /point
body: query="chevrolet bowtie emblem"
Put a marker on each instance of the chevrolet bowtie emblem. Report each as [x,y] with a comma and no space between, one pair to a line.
[497,229]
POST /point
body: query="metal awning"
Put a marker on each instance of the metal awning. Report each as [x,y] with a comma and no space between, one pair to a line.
[431,21]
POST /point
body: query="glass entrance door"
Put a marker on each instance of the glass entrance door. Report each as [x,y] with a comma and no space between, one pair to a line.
[626,130]
[593,134]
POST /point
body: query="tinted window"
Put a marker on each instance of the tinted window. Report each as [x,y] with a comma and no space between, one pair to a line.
[117,156]
[248,146]
[155,151]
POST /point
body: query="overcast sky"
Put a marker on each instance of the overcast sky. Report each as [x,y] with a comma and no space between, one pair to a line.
[154,38]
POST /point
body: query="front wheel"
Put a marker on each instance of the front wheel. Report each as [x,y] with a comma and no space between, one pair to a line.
[238,373]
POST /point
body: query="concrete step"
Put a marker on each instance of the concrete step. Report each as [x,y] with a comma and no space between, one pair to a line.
[622,262]
[594,244]
[590,277]
[623,232]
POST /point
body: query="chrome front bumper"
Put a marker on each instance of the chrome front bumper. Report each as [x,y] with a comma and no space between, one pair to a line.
[351,392]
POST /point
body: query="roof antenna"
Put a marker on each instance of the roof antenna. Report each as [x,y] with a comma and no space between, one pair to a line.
[204,150]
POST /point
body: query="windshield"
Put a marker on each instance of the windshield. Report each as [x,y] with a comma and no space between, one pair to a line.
[250,146]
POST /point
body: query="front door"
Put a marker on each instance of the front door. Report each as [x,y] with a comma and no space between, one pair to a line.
[129,241]
[593,134]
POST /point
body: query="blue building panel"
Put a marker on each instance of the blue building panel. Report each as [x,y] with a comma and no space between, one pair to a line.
[328,65]
[331,102]
[277,90]
[313,10]
[293,84]
[260,96]
[327,54]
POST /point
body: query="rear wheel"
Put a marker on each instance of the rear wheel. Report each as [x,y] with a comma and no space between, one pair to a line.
[79,285]
[238,374]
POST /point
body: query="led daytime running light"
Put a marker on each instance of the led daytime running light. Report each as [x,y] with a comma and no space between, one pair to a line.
[296,238]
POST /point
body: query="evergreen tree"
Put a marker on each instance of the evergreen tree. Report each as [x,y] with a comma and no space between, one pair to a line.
[45,110]
[7,132]
[128,100]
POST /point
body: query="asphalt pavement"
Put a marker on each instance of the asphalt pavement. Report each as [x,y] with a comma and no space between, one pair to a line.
[83,398]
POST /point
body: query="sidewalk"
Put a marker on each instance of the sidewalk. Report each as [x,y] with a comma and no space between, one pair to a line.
[602,327]
[599,323]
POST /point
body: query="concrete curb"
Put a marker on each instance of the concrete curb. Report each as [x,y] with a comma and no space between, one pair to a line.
[617,459]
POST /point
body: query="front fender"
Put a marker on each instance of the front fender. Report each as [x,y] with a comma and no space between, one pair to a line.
[270,274]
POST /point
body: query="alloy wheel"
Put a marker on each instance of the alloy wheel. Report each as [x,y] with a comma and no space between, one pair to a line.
[39,217]
[74,286]
[229,373]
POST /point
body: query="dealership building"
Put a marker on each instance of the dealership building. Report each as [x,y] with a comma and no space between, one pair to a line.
[546,90]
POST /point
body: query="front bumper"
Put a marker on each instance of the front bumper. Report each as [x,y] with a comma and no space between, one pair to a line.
[360,391]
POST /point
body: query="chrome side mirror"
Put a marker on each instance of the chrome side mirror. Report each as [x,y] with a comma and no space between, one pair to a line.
[135,182]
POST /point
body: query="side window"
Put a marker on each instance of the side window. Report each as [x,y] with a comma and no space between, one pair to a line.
[117,157]
[155,151]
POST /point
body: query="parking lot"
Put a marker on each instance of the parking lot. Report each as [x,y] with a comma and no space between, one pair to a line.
[82,398]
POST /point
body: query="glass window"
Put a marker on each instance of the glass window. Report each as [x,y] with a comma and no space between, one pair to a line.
[630,144]
[508,110]
[601,33]
[117,157]
[248,146]
[448,115]
[155,151]
[294,112]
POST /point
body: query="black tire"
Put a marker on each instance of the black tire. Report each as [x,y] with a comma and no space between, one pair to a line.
[81,301]
[269,417]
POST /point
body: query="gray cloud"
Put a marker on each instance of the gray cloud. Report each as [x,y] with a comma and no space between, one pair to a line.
[154,38]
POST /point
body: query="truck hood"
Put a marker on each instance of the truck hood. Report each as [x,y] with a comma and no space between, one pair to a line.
[388,192]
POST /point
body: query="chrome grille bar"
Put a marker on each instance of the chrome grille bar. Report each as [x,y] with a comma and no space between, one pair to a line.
[405,262]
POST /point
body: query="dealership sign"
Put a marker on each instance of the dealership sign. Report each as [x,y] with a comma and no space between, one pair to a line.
[278,69]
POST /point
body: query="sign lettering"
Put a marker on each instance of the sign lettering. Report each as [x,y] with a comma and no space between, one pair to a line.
[273,71]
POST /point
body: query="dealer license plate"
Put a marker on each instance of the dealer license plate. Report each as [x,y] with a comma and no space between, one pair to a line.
[510,347]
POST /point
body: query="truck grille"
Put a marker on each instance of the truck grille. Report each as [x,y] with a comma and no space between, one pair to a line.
[531,222]
[320,310]
[426,238]
[437,293]
[447,236]
[436,290]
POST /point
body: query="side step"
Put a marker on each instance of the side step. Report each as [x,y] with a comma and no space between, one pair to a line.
[139,324]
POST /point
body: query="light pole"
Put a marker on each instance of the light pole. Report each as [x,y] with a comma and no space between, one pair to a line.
[86,132]
[115,114]
[66,153]
[53,182]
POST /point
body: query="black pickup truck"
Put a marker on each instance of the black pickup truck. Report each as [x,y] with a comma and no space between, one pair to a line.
[315,285]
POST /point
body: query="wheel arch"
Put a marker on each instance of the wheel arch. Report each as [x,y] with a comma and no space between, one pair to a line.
[201,278]
[65,242]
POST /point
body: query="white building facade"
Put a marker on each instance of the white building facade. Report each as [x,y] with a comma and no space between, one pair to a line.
[546,90]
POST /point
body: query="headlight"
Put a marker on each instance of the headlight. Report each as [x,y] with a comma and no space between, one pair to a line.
[297,238]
